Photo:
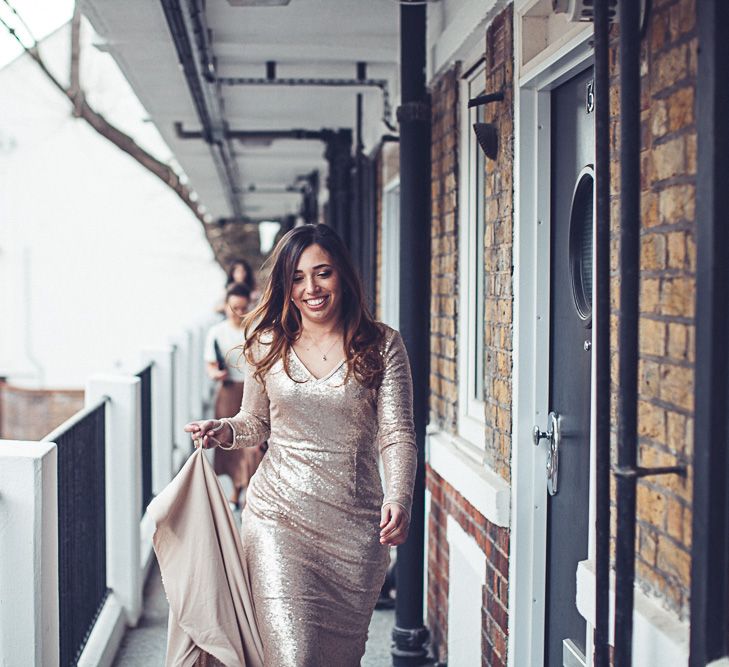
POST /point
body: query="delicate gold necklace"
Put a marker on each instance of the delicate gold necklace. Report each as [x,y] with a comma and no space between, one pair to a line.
[323,354]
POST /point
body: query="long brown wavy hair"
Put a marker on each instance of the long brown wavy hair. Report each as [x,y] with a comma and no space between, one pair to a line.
[276,321]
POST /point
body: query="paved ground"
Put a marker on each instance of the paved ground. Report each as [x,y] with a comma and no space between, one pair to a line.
[144,646]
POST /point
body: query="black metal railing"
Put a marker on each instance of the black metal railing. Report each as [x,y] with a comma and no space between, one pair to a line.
[145,376]
[82,587]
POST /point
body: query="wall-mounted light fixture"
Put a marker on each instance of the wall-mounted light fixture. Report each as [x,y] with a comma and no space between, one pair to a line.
[486,133]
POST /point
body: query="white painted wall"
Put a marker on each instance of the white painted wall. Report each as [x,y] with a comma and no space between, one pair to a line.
[98,259]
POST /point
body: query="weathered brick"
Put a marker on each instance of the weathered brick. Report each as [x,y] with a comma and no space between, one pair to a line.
[677,386]
[650,295]
[676,204]
[668,159]
[652,337]
[651,505]
[650,376]
[677,431]
[674,560]
[651,421]
[678,341]
[678,296]
[670,67]
[677,250]
[653,252]
[680,109]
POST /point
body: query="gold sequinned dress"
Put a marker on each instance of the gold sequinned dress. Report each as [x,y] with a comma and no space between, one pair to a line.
[311,522]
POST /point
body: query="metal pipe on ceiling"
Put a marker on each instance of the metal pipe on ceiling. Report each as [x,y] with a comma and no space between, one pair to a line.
[382,84]
[206,96]
[257,135]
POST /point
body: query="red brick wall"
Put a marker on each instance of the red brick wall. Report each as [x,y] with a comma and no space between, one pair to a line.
[31,414]
[494,542]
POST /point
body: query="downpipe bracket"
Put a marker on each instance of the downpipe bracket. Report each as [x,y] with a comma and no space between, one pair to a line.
[636,472]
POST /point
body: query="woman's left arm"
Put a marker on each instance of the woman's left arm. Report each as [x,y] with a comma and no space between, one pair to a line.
[396,438]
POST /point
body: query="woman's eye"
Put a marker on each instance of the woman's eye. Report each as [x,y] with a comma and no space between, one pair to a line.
[298,279]
[325,274]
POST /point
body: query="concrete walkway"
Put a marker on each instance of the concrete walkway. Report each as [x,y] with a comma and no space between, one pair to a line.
[144,646]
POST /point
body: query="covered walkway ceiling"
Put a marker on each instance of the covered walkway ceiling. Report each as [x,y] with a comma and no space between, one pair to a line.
[200,69]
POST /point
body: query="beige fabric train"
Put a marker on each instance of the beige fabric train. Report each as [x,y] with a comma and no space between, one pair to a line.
[200,555]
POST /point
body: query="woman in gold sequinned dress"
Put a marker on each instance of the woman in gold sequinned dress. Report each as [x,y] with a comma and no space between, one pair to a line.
[330,389]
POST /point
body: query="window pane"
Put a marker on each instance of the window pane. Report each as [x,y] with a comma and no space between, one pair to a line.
[479,210]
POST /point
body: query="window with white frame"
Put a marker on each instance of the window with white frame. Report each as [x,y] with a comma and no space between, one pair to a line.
[471,267]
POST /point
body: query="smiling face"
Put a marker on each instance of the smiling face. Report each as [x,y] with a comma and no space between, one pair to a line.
[316,288]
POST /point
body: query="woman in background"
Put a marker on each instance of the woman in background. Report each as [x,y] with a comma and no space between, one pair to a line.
[239,271]
[222,357]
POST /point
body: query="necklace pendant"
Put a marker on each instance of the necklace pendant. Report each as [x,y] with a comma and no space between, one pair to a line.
[324,357]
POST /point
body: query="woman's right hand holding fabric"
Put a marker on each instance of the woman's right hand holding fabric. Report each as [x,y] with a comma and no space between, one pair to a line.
[210,433]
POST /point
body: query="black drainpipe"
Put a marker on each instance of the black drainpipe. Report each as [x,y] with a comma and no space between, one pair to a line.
[710,535]
[627,472]
[628,329]
[410,634]
[602,334]
[338,154]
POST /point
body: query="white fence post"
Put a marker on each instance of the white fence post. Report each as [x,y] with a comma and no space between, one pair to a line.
[198,369]
[182,405]
[29,625]
[205,386]
[190,375]
[123,486]
[162,415]
[183,402]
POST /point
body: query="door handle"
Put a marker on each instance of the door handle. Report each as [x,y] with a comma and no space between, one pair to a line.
[552,436]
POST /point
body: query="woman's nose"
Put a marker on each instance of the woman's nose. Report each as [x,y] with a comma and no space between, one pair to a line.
[311,285]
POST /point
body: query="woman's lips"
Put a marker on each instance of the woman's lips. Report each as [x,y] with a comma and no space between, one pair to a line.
[317,303]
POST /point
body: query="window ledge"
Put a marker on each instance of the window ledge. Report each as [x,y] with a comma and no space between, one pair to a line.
[479,485]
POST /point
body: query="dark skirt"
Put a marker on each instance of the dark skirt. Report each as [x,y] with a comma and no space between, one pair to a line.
[238,464]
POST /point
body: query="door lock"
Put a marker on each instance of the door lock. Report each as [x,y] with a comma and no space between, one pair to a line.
[552,436]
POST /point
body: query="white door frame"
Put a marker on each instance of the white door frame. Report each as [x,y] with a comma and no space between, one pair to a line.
[532,191]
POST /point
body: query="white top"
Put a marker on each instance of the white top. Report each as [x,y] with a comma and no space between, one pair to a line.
[229,338]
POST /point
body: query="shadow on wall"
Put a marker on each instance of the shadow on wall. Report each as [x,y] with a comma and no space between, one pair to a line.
[31,414]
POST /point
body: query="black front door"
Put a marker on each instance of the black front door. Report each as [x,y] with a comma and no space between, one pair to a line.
[570,359]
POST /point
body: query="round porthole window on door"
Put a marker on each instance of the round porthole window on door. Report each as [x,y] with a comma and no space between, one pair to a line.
[581,240]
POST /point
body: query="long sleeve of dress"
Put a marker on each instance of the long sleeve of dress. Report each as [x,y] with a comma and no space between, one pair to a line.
[252,425]
[396,431]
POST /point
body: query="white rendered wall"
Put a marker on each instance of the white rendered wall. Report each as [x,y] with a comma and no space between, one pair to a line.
[466,574]
[98,258]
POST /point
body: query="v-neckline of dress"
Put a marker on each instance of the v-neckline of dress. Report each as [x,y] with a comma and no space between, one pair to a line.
[310,374]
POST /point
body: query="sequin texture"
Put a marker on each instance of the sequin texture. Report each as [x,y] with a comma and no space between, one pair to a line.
[311,521]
